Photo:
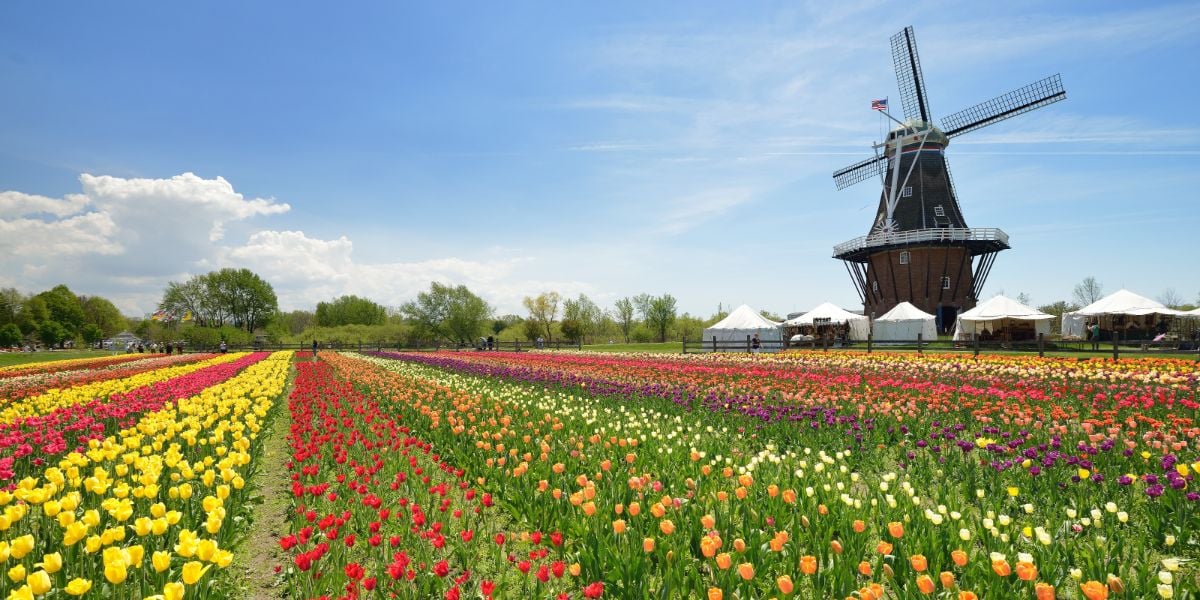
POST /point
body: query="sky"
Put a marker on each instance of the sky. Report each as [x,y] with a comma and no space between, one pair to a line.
[607,148]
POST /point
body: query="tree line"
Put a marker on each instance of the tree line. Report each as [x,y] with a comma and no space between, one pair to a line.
[239,307]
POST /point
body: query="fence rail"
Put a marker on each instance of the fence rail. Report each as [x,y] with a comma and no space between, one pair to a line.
[1041,346]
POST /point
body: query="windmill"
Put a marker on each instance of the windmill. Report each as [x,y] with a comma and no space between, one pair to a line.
[919,248]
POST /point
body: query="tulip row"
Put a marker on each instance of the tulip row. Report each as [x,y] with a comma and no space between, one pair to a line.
[55,399]
[379,511]
[649,491]
[54,434]
[51,366]
[24,386]
[149,510]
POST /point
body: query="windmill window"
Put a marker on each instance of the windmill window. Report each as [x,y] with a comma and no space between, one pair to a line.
[945,282]
[939,211]
[904,257]
[907,192]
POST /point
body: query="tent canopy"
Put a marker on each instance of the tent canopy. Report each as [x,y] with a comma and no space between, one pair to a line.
[1125,302]
[1003,307]
[997,314]
[904,322]
[744,317]
[860,325]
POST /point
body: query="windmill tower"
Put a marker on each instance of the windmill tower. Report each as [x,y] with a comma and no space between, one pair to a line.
[919,248]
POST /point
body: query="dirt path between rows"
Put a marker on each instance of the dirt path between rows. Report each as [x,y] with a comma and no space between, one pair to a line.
[260,552]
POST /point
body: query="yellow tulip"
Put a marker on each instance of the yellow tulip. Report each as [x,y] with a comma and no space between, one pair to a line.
[39,582]
[78,586]
[161,561]
[17,573]
[173,591]
[21,546]
[115,572]
[22,593]
[52,562]
[193,571]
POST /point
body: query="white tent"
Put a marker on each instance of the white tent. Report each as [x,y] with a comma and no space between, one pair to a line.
[860,325]
[903,323]
[1125,302]
[998,313]
[745,321]
[1120,302]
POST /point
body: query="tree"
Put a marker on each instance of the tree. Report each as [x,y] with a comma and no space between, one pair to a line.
[1170,298]
[543,310]
[1025,299]
[350,310]
[624,316]
[64,308]
[453,314]
[642,303]
[1057,309]
[581,316]
[296,321]
[1088,291]
[10,335]
[770,315]
[33,313]
[660,314]
[51,333]
[11,300]
[230,296]
[103,314]
[91,334]
[689,327]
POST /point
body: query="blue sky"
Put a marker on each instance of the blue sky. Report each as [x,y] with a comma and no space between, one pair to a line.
[606,148]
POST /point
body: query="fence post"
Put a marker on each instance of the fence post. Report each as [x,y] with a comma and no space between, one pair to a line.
[975,343]
[919,336]
[581,342]
[684,351]
[1116,335]
[747,344]
[870,337]
[824,344]
[714,343]
[1041,345]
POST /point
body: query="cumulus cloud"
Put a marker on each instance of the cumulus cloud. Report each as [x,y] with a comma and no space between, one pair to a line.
[126,238]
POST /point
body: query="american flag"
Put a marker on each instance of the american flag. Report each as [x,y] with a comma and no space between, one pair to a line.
[879,104]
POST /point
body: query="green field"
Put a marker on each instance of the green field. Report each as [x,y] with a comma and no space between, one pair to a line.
[664,347]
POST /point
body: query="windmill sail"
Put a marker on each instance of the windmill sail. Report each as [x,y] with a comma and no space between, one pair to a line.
[908,75]
[1021,100]
[859,171]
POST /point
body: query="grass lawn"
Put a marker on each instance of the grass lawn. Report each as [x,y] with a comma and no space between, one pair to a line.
[20,358]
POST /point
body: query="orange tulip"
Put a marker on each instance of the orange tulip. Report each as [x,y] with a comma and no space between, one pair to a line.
[1115,584]
[724,561]
[648,545]
[785,584]
[925,584]
[746,571]
[619,526]
[919,564]
[859,526]
[739,544]
[1044,591]
[836,546]
[1026,571]
[965,595]
[883,548]
[1001,568]
[808,564]
[708,521]
[960,558]
[896,529]
[635,509]
[666,526]
[1094,590]
[947,579]
[715,594]
[864,567]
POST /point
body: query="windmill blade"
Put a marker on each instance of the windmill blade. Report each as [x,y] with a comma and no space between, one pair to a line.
[1022,100]
[859,171]
[908,75]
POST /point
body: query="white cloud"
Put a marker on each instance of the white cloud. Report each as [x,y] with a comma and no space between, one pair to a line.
[691,211]
[17,204]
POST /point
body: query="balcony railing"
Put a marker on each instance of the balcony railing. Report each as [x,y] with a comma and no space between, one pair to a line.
[960,234]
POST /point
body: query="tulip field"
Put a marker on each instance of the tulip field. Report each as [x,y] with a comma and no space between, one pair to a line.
[586,475]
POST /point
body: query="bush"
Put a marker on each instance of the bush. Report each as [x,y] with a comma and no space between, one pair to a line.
[642,335]
[10,335]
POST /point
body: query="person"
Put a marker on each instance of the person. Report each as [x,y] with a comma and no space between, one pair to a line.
[1094,334]
[540,342]
[491,342]
[224,348]
[755,344]
[178,347]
